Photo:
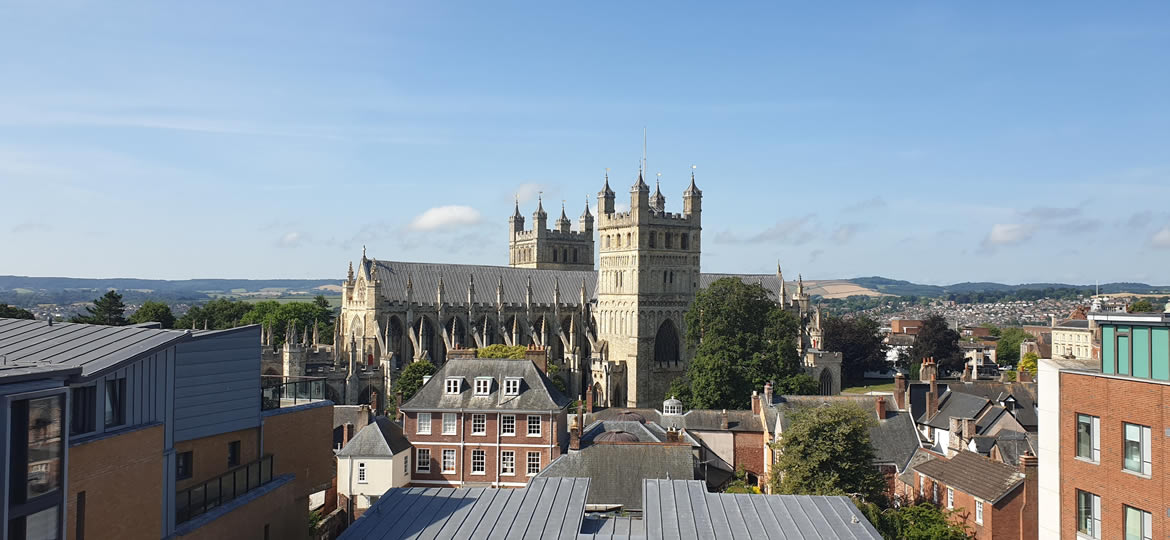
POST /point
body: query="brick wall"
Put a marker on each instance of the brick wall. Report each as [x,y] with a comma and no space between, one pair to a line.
[1114,401]
[464,441]
[209,455]
[121,477]
[301,442]
[749,452]
[284,513]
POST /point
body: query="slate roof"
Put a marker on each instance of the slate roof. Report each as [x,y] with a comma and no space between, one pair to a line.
[1012,445]
[616,471]
[1023,393]
[546,508]
[954,405]
[920,456]
[993,413]
[685,510]
[382,438]
[974,474]
[1074,323]
[536,391]
[32,347]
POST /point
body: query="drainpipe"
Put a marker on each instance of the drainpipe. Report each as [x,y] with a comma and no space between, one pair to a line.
[461,460]
[499,450]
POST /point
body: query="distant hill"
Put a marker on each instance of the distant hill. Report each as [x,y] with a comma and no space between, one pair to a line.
[30,291]
[906,288]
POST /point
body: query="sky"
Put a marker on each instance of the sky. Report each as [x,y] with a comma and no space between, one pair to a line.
[935,142]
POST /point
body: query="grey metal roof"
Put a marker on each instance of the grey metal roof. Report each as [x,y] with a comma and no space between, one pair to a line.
[382,438]
[616,471]
[685,510]
[536,391]
[598,528]
[1082,324]
[637,429]
[546,508]
[974,474]
[696,419]
[31,346]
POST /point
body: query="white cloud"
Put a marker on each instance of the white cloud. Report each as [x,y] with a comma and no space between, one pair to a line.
[845,233]
[1161,238]
[1006,234]
[290,240]
[445,218]
[528,191]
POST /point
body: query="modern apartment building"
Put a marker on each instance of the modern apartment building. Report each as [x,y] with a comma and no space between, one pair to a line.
[482,421]
[138,432]
[1101,440]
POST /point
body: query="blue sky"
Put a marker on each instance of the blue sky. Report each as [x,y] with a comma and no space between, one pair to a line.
[934,142]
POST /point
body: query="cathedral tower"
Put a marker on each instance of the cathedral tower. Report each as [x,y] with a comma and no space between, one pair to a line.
[648,275]
[560,248]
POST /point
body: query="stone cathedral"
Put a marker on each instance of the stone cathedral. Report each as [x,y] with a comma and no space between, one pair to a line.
[615,328]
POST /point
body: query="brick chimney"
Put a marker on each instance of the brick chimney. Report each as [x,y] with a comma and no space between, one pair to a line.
[755,402]
[768,394]
[966,373]
[955,442]
[346,434]
[968,430]
[398,406]
[932,398]
[374,401]
[1029,527]
[928,370]
[578,427]
[723,424]
[589,401]
[900,391]
[363,419]
[881,408]
[672,435]
[1023,375]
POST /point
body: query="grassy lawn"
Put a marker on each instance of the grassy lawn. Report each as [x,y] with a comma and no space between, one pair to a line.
[871,385]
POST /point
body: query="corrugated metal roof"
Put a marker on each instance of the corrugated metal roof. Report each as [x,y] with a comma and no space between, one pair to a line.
[90,347]
[546,508]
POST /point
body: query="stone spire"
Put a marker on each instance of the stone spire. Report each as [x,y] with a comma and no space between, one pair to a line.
[409,288]
[640,185]
[471,290]
[783,287]
[799,285]
[349,275]
[500,292]
[439,292]
[658,200]
[605,198]
[563,224]
[692,190]
[517,213]
[539,217]
[692,198]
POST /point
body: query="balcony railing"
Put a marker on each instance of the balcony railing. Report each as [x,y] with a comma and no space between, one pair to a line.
[277,392]
[200,498]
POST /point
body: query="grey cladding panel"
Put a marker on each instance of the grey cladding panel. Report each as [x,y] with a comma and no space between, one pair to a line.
[217,384]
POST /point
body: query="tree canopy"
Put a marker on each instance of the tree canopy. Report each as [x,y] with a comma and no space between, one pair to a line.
[1007,350]
[13,312]
[827,451]
[108,310]
[411,378]
[741,340]
[914,522]
[937,340]
[218,314]
[860,342]
[1028,363]
[1141,306]
[303,315]
[502,351]
[152,311]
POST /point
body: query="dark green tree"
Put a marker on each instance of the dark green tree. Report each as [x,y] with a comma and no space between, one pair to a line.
[1141,306]
[827,451]
[1007,350]
[937,340]
[303,315]
[13,312]
[152,311]
[502,351]
[218,314]
[411,378]
[108,310]
[860,342]
[741,340]
[917,522]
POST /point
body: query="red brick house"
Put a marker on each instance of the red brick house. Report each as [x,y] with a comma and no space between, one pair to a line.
[484,422]
[994,499]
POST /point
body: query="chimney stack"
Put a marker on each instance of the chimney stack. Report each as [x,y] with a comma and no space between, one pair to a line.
[398,406]
[578,427]
[932,399]
[672,435]
[1023,375]
[966,373]
[768,394]
[755,402]
[900,391]
[881,408]
[968,430]
[723,423]
[1029,527]
[589,401]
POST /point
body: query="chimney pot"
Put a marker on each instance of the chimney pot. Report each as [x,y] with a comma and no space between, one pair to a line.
[881,408]
[900,391]
[755,402]
[723,423]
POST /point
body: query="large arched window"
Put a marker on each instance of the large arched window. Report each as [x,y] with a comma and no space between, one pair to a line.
[682,241]
[826,383]
[666,345]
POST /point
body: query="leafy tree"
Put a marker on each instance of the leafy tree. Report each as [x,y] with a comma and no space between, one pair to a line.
[13,312]
[108,310]
[860,342]
[1028,363]
[1007,351]
[152,311]
[827,451]
[218,314]
[502,351]
[1141,306]
[915,522]
[993,329]
[411,378]
[303,315]
[741,340]
[937,340]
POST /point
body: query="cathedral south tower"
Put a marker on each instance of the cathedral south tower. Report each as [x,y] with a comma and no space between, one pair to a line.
[559,248]
[647,277]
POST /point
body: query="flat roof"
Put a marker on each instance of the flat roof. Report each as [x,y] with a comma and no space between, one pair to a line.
[44,348]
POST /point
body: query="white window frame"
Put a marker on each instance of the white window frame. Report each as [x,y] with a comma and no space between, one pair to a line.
[1144,436]
[453,386]
[450,424]
[479,424]
[512,386]
[504,421]
[1095,436]
[406,464]
[950,498]
[361,472]
[934,492]
[478,461]
[443,465]
[528,463]
[424,423]
[508,463]
[529,424]
[483,386]
[921,487]
[1094,521]
[1147,524]
[978,511]
[422,461]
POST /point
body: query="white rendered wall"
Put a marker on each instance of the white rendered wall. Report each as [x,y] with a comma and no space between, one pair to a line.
[381,475]
[1048,415]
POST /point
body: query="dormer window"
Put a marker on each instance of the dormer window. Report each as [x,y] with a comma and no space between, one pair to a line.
[454,385]
[512,387]
[483,386]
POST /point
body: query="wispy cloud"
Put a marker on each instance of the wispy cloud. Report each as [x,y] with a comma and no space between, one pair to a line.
[1007,234]
[291,239]
[443,218]
[845,233]
[528,191]
[794,231]
[873,203]
[1161,239]
[31,227]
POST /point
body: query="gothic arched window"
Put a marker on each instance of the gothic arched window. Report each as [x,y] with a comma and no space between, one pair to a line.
[666,345]
[574,254]
[554,255]
[669,241]
[682,241]
[653,237]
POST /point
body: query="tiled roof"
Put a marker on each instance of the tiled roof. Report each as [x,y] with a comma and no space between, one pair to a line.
[382,438]
[31,346]
[974,474]
[920,456]
[536,391]
[616,471]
